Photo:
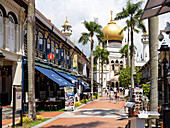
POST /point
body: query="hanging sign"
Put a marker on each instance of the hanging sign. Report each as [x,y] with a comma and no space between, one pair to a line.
[50,56]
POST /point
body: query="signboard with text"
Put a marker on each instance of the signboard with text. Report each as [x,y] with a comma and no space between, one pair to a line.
[69,98]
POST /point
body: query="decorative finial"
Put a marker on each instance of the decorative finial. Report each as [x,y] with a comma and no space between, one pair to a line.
[111,15]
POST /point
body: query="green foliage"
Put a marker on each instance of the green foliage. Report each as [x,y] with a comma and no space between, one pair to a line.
[95,95]
[125,76]
[77,104]
[39,117]
[26,120]
[146,89]
[82,101]
[124,50]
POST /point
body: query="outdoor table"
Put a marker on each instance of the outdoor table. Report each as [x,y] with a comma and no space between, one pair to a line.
[49,105]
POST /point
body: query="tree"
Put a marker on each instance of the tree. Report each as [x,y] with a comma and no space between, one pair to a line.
[94,29]
[146,89]
[125,49]
[125,74]
[31,59]
[101,54]
[133,12]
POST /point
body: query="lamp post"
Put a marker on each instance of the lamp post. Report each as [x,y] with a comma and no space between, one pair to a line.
[164,56]
[1,64]
[78,88]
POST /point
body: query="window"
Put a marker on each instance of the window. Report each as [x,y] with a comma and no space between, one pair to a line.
[112,61]
[52,47]
[113,67]
[11,33]
[1,30]
[117,61]
[40,44]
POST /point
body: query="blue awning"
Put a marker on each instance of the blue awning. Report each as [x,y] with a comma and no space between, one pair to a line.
[84,84]
[54,76]
[67,76]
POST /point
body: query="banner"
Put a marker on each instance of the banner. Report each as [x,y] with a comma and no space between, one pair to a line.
[75,62]
[69,98]
[84,69]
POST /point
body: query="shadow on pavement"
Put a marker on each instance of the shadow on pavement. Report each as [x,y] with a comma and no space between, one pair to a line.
[82,125]
[101,112]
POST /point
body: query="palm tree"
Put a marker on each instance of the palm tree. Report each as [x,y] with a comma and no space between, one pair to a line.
[133,12]
[31,59]
[97,55]
[126,46]
[104,60]
[94,29]
[124,51]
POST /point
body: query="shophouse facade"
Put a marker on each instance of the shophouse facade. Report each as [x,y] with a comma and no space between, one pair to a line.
[12,16]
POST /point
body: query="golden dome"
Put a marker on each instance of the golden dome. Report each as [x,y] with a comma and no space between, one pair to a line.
[66,23]
[111,31]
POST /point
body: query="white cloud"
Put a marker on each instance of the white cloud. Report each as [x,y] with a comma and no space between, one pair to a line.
[79,10]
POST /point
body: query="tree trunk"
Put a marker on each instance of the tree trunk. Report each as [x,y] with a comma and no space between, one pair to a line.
[102,75]
[99,72]
[92,66]
[31,59]
[153,50]
[132,59]
[128,62]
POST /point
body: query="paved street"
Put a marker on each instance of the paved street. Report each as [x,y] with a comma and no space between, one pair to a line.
[97,114]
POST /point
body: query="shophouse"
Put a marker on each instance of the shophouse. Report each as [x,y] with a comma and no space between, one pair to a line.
[12,18]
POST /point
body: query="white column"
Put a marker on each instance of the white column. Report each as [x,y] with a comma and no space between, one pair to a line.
[16,38]
[6,27]
[17,72]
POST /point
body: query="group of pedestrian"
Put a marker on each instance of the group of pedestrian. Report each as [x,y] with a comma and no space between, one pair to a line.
[114,94]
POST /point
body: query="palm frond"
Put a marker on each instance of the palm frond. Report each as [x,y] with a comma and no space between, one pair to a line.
[84,38]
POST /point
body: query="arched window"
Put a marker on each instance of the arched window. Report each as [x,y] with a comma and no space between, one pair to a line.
[112,84]
[48,46]
[117,84]
[112,61]
[11,33]
[52,47]
[56,51]
[1,30]
[117,61]
[113,67]
[40,41]
[121,62]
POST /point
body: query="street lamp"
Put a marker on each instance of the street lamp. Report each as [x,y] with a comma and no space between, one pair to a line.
[164,56]
[1,64]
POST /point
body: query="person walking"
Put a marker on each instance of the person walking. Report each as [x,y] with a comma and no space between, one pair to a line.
[117,97]
[111,93]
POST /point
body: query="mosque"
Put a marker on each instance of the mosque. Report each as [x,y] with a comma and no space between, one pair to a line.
[113,43]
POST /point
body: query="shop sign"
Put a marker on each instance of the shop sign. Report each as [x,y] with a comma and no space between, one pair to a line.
[50,56]
[75,62]
[69,98]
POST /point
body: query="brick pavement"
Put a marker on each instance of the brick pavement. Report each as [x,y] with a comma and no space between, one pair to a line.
[92,115]
[96,114]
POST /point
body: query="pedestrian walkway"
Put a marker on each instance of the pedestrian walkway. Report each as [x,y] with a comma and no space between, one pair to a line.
[99,113]
[96,114]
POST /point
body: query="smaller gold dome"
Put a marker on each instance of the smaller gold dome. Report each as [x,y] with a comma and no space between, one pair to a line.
[111,31]
[66,23]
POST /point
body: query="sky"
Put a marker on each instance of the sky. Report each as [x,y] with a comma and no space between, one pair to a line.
[79,10]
